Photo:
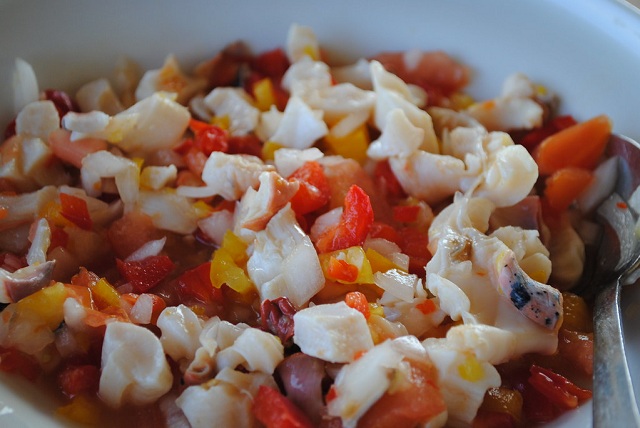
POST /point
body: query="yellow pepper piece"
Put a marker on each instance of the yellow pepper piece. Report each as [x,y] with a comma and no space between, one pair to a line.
[471,370]
[264,94]
[269,149]
[380,263]
[51,211]
[45,304]
[224,270]
[236,247]
[354,256]
[221,121]
[376,309]
[82,410]
[353,145]
[104,294]
[202,209]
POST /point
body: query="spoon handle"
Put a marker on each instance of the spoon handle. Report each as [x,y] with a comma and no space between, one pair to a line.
[614,401]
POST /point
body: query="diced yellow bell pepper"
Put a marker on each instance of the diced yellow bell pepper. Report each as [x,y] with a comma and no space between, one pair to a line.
[354,256]
[104,294]
[269,149]
[45,304]
[81,409]
[376,309]
[471,370]
[263,93]
[202,209]
[236,247]
[380,263]
[353,145]
[52,212]
[221,121]
[224,270]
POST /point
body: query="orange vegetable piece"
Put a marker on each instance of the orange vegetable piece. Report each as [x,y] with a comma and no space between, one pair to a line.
[358,301]
[579,146]
[565,185]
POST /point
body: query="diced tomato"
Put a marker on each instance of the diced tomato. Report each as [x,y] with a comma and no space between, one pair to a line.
[406,213]
[314,191]
[274,410]
[435,71]
[208,138]
[273,63]
[417,400]
[359,302]
[195,161]
[130,232]
[245,145]
[413,243]
[75,210]
[78,379]
[146,273]
[354,225]
[387,180]
[14,361]
[384,231]
[560,390]
[59,238]
[196,283]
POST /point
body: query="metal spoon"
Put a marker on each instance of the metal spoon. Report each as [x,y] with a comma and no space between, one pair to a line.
[618,257]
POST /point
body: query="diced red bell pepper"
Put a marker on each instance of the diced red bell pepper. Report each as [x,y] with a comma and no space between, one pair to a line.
[146,273]
[354,225]
[560,390]
[314,191]
[75,210]
[274,410]
[384,231]
[340,270]
[196,283]
[387,180]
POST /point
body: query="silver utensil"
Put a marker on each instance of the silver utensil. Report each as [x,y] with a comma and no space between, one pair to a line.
[618,257]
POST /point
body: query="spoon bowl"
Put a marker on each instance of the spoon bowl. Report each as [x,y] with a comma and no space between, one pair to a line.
[615,265]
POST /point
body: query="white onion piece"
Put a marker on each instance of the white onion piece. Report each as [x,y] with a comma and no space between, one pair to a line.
[151,248]
[25,85]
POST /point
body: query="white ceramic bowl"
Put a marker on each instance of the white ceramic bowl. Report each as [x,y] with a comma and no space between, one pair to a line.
[586,51]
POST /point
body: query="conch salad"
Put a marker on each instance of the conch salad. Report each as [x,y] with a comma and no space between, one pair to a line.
[274,240]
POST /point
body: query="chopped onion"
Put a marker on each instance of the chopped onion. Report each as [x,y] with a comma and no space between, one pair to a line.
[25,85]
[151,248]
